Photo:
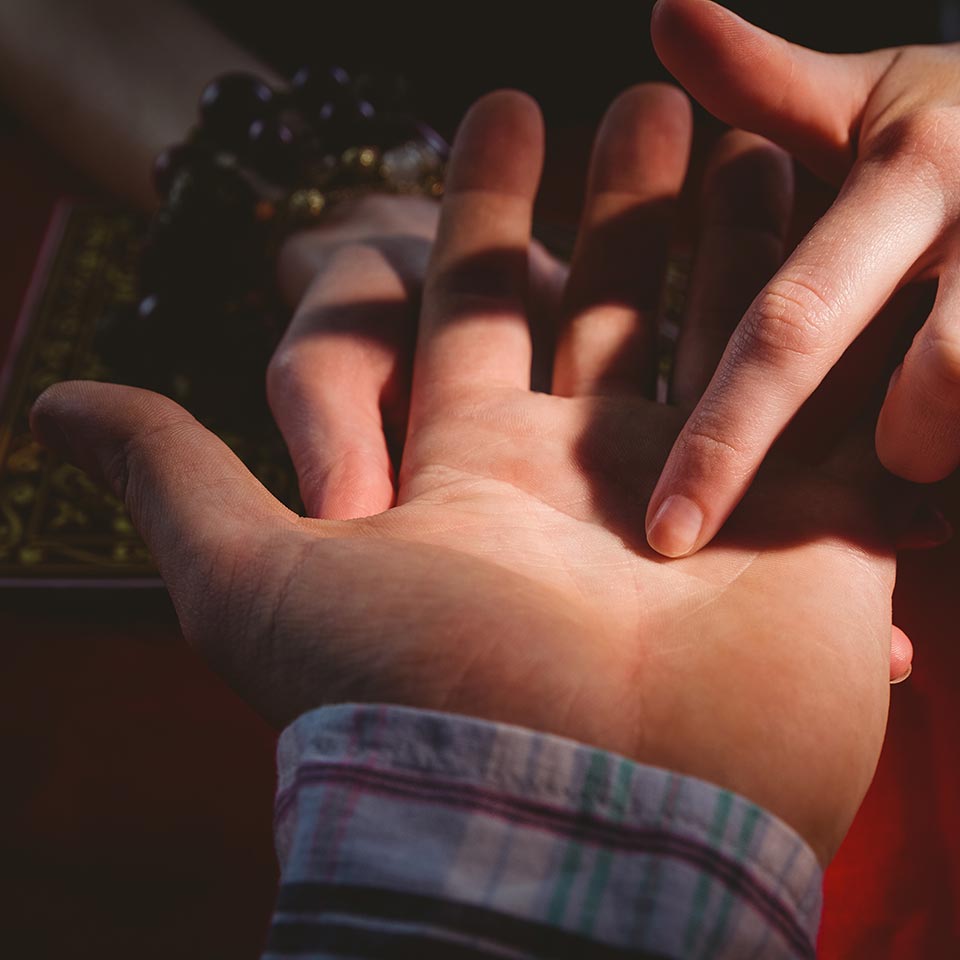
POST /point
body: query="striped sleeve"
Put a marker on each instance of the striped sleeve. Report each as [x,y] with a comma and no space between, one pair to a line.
[407,833]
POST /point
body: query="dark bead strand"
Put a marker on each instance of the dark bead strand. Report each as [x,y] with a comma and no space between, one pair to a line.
[168,165]
[349,119]
[387,93]
[275,146]
[229,104]
[314,87]
[260,165]
[329,98]
[207,238]
[213,190]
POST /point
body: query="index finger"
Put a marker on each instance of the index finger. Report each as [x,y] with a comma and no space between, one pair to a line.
[838,278]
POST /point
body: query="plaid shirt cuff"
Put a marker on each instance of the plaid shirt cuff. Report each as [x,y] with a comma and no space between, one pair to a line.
[407,833]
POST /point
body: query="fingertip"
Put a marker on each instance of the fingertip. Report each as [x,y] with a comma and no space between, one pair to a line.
[44,420]
[669,102]
[887,439]
[81,419]
[63,399]
[660,24]
[88,399]
[909,465]
[328,398]
[910,443]
[657,11]
[667,15]
[643,144]
[499,145]
[666,22]
[505,104]
[751,78]
[918,430]
[650,113]
[733,68]
[749,184]
[683,29]
[676,527]
[653,112]
[901,656]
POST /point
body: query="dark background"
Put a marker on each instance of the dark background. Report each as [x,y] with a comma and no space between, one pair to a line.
[574,59]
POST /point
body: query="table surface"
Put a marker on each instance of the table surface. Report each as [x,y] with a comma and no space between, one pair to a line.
[135,819]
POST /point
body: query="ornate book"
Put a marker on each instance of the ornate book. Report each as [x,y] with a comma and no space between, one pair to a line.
[57,527]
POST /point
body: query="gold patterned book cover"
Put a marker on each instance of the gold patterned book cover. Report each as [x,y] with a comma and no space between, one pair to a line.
[56,526]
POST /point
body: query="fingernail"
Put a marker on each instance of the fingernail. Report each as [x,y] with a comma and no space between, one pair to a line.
[675,527]
[904,677]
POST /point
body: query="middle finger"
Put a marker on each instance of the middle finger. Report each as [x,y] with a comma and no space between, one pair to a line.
[747,196]
[607,343]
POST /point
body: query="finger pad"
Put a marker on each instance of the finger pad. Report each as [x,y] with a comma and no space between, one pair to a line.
[734,69]
[645,136]
[499,146]
[901,653]
[692,37]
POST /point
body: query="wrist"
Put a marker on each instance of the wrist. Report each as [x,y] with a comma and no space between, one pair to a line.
[787,712]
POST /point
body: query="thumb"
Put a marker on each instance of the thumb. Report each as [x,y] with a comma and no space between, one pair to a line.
[809,103]
[189,496]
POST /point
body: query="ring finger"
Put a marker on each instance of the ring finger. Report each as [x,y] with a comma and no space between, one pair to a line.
[607,343]
[747,198]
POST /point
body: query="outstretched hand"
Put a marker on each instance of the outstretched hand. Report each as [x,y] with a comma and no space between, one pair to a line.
[887,126]
[511,579]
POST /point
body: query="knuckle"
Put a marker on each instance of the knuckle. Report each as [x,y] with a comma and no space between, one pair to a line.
[138,454]
[283,380]
[711,447]
[282,369]
[787,320]
[299,383]
[922,144]
[711,443]
[312,477]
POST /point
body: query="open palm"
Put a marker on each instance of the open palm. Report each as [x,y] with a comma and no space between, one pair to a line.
[512,579]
